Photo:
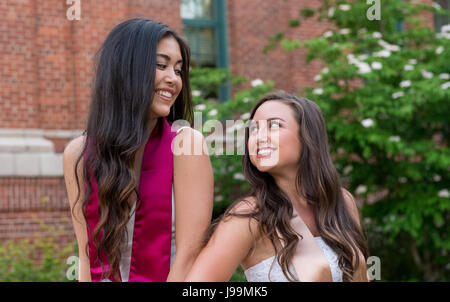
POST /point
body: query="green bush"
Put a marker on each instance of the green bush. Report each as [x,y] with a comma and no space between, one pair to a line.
[385,95]
[18,263]
[39,259]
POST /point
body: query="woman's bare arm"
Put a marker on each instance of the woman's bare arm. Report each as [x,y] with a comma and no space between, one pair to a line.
[194,193]
[228,247]
[71,154]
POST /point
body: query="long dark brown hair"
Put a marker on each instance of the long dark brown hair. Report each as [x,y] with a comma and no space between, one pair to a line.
[118,125]
[317,182]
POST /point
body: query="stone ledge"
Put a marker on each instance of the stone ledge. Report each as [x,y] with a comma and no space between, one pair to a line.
[40,133]
[31,164]
[25,144]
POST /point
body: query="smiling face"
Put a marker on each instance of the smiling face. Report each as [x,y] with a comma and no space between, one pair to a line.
[168,82]
[274,143]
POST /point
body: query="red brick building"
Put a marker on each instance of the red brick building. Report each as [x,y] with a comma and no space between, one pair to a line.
[46,70]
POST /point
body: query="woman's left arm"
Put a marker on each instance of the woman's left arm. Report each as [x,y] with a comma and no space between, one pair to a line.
[194,193]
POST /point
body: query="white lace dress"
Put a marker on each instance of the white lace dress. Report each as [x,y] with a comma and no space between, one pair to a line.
[269,270]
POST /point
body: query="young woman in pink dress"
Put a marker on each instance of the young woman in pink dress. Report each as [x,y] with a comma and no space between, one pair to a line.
[139,211]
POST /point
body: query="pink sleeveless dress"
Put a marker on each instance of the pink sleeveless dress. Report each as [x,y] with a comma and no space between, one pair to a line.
[153,219]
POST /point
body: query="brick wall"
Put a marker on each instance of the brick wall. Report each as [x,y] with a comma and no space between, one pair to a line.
[251,22]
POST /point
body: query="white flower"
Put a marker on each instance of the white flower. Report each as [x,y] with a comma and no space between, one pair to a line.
[409,67]
[367,123]
[317,78]
[331,12]
[382,53]
[363,67]
[406,83]
[351,59]
[238,176]
[325,70]
[436,5]
[257,82]
[412,61]
[245,116]
[218,198]
[196,93]
[327,34]
[426,74]
[444,193]
[348,169]
[318,91]
[439,50]
[362,57]
[200,107]
[398,94]
[362,31]
[445,28]
[344,7]
[377,35]
[361,189]
[344,31]
[213,112]
[377,65]
[445,85]
[395,139]
[402,180]
[388,46]
[444,76]
[436,178]
[245,100]
[443,35]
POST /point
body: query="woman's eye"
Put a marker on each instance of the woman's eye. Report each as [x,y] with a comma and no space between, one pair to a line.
[178,72]
[253,129]
[274,124]
[162,66]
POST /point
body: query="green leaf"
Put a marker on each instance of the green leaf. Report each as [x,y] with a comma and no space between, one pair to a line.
[306,13]
[294,23]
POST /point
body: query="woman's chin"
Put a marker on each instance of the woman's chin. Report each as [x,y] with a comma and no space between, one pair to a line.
[161,111]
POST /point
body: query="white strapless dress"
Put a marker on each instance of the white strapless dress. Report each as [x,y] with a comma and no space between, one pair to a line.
[269,270]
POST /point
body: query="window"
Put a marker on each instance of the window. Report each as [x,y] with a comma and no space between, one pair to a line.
[440,20]
[204,25]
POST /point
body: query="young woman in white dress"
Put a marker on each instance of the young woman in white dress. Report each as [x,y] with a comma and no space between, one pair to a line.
[298,223]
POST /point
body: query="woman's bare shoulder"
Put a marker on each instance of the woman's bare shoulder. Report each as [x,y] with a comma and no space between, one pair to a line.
[244,205]
[71,154]
[74,148]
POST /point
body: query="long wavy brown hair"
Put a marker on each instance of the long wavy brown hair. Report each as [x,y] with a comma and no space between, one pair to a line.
[317,182]
[118,125]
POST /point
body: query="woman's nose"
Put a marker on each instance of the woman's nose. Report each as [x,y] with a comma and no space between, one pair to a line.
[170,76]
[263,134]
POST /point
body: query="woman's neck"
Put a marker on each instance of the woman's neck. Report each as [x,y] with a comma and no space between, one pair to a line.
[152,124]
[287,183]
